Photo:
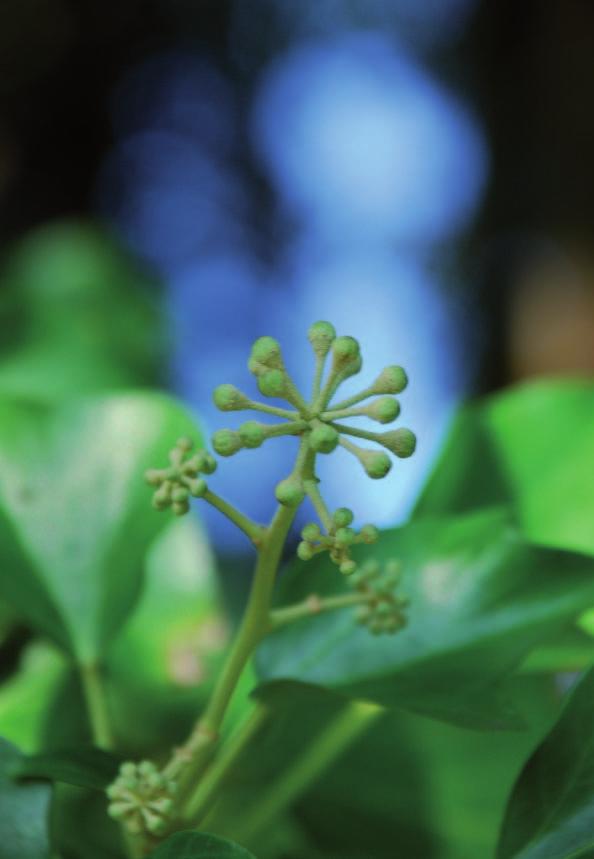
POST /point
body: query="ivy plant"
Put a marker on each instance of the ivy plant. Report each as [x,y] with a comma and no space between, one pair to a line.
[367,637]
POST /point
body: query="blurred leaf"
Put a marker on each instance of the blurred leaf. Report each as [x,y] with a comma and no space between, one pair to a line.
[571,650]
[199,845]
[163,663]
[75,515]
[433,789]
[532,446]
[80,826]
[26,696]
[551,811]
[23,811]
[63,282]
[480,599]
[82,766]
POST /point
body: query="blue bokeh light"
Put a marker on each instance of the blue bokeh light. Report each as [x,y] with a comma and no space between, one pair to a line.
[360,142]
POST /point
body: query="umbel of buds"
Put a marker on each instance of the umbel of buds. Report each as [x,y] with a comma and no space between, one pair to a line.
[338,541]
[382,610]
[175,485]
[318,419]
[141,798]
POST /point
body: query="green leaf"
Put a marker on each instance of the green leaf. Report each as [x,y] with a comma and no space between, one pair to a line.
[199,845]
[84,767]
[75,515]
[551,811]
[532,446]
[24,810]
[480,599]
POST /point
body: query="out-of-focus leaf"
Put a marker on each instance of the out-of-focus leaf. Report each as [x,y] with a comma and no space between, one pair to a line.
[80,316]
[75,515]
[551,811]
[82,766]
[532,446]
[162,665]
[199,845]
[480,599]
[80,826]
[26,696]
[23,811]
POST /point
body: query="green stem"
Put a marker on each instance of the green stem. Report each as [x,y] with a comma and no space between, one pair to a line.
[329,745]
[94,694]
[200,801]
[188,761]
[272,410]
[293,428]
[311,606]
[250,528]
[356,398]
[358,433]
[317,382]
[313,493]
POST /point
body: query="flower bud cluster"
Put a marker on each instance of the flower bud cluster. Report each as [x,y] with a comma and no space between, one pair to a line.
[338,541]
[176,484]
[141,798]
[382,610]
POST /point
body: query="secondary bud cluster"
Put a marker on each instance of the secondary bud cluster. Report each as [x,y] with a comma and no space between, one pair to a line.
[141,798]
[382,611]
[176,484]
[337,542]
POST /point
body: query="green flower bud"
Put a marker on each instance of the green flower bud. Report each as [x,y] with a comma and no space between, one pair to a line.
[154,477]
[228,398]
[369,533]
[347,568]
[272,383]
[209,464]
[375,463]
[252,433]
[383,410]
[118,810]
[197,487]
[289,492]
[345,351]
[311,532]
[180,507]
[323,439]
[226,442]
[352,368]
[267,351]
[343,517]
[321,335]
[391,380]
[185,444]
[305,551]
[345,536]
[180,494]
[162,496]
[363,614]
[155,824]
[128,769]
[401,442]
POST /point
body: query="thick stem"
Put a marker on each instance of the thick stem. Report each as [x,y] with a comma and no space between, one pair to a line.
[200,801]
[354,720]
[94,694]
[188,761]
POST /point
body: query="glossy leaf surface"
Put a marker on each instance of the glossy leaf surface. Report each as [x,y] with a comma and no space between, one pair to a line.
[532,446]
[480,599]
[199,845]
[551,811]
[75,515]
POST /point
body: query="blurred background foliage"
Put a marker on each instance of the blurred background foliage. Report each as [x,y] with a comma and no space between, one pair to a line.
[177,178]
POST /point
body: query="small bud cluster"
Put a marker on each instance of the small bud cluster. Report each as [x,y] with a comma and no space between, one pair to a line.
[141,798]
[338,541]
[176,484]
[383,611]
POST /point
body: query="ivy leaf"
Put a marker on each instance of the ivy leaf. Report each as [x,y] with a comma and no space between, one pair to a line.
[83,767]
[481,599]
[551,811]
[199,845]
[24,811]
[75,514]
[532,446]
